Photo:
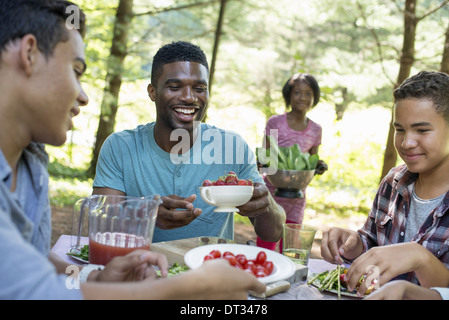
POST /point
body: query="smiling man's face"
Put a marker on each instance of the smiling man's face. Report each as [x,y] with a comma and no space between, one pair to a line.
[181,95]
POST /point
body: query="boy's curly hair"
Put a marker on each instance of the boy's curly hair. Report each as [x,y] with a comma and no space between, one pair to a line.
[432,85]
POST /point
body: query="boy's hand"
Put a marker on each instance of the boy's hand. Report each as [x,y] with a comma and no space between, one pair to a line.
[338,242]
[135,266]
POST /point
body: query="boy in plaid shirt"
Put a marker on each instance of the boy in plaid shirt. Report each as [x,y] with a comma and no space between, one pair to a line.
[407,231]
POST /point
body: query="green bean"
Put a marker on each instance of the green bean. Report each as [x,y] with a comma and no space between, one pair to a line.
[316,277]
[331,280]
[339,285]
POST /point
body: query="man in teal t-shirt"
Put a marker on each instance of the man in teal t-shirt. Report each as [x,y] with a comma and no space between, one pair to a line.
[174,155]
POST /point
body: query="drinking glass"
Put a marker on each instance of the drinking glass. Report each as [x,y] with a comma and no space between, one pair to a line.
[297,242]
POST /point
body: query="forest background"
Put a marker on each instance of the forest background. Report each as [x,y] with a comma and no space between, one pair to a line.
[359,50]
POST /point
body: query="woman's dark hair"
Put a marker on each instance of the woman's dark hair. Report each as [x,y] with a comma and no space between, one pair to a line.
[47,20]
[309,80]
[176,52]
[430,85]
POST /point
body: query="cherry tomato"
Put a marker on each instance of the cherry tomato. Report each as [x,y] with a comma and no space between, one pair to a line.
[269,266]
[231,259]
[260,267]
[260,271]
[209,257]
[216,254]
[227,253]
[250,264]
[241,259]
[261,257]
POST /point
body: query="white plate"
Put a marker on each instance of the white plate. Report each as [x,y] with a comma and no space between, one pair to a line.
[283,269]
[79,259]
[343,291]
[76,250]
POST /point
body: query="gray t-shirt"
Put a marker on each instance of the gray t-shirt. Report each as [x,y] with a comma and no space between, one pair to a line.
[419,211]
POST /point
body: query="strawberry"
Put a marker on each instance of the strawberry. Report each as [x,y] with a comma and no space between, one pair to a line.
[207,183]
[242,182]
[232,173]
[231,178]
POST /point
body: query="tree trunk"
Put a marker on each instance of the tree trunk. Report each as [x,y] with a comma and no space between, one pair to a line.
[218,32]
[341,107]
[445,61]
[406,62]
[109,105]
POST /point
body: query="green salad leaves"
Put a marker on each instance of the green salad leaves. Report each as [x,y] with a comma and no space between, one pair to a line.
[174,270]
[83,253]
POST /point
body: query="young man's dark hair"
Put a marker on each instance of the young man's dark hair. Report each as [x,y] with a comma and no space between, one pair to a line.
[308,79]
[45,19]
[432,85]
[176,52]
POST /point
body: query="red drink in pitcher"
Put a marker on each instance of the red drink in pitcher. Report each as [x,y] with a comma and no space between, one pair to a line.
[108,245]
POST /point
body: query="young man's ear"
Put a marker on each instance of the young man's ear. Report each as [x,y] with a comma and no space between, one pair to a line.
[28,53]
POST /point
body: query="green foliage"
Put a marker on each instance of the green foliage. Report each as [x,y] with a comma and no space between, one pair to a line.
[65,192]
[263,43]
[60,171]
[349,186]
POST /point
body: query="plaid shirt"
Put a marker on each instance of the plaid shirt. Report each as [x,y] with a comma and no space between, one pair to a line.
[387,219]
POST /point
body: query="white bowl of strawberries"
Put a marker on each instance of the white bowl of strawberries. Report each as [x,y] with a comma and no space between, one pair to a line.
[227,192]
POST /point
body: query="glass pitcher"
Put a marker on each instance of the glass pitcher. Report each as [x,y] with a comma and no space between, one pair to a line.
[117,225]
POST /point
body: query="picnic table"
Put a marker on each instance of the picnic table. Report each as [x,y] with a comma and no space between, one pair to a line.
[175,251]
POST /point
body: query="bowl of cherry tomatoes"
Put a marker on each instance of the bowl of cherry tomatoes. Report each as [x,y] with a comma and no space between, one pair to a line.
[267,265]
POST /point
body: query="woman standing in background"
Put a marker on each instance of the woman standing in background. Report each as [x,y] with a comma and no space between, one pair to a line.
[301,92]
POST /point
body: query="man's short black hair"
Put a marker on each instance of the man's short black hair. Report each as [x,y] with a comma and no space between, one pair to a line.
[45,19]
[309,80]
[176,52]
[431,85]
